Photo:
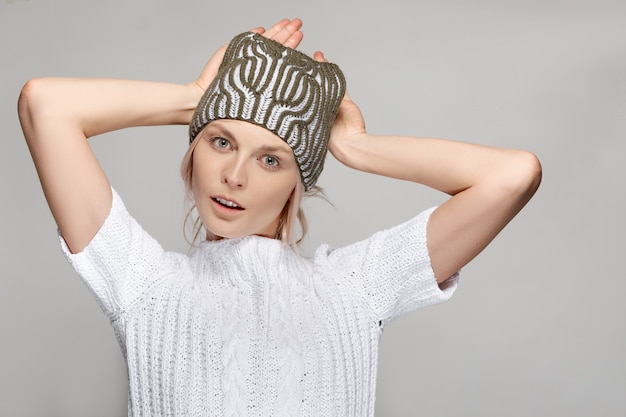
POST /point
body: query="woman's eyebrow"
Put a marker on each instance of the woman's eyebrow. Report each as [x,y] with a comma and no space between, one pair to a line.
[222,130]
[273,149]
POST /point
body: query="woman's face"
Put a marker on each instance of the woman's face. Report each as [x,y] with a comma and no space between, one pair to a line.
[242,177]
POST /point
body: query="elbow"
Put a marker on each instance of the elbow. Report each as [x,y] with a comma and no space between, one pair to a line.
[30,103]
[33,94]
[530,171]
[523,174]
[27,97]
[28,94]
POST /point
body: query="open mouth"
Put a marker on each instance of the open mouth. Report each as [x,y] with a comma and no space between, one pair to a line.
[227,203]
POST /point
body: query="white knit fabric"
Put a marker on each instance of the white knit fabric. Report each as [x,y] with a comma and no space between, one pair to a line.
[246,327]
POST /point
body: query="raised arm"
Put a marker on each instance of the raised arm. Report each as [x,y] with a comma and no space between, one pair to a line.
[58,115]
[488,185]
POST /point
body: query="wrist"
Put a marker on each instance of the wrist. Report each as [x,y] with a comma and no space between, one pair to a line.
[197,91]
[351,150]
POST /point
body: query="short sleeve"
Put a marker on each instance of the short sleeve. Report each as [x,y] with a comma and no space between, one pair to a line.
[392,269]
[120,263]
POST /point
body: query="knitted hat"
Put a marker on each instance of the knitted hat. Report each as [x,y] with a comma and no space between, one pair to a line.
[283,90]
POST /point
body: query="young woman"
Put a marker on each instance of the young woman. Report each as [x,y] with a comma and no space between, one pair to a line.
[245,325]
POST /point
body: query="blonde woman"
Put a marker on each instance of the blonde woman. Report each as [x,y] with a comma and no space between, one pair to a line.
[244,325]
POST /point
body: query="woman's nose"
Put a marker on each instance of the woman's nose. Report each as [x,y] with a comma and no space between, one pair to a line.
[235,174]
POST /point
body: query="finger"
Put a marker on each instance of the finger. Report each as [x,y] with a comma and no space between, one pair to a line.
[211,68]
[294,40]
[260,30]
[271,32]
[319,56]
[285,33]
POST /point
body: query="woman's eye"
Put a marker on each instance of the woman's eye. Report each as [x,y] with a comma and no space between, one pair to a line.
[221,143]
[270,160]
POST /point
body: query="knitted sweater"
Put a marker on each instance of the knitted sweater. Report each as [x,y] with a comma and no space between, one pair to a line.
[247,327]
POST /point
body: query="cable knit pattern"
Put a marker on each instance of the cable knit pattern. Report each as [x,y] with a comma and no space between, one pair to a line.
[246,327]
[280,89]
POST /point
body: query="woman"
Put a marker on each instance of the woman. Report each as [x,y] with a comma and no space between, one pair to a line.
[246,326]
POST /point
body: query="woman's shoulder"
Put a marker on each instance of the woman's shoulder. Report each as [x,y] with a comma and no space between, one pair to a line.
[413,229]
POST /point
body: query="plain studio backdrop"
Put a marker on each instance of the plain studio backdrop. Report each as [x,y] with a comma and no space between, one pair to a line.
[537,325]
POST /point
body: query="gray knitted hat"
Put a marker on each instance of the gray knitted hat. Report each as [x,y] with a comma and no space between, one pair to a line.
[285,91]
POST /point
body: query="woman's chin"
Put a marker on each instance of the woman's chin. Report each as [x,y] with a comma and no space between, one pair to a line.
[223,231]
[219,234]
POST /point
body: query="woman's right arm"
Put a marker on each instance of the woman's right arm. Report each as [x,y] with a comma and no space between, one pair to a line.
[59,114]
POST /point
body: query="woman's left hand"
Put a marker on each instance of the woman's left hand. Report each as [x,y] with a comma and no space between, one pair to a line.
[286,32]
[349,124]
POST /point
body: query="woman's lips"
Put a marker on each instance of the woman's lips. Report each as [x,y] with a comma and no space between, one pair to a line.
[227,203]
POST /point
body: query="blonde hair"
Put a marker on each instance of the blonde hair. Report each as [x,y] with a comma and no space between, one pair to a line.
[291,213]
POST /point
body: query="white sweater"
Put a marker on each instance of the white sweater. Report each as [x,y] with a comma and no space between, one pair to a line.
[246,327]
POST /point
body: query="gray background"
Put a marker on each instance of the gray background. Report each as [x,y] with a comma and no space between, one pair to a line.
[537,326]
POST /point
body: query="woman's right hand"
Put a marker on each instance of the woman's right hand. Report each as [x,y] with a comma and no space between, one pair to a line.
[286,32]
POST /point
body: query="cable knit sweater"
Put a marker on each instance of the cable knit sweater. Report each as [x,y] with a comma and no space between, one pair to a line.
[247,327]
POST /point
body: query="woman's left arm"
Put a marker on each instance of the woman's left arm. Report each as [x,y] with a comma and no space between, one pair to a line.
[488,185]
